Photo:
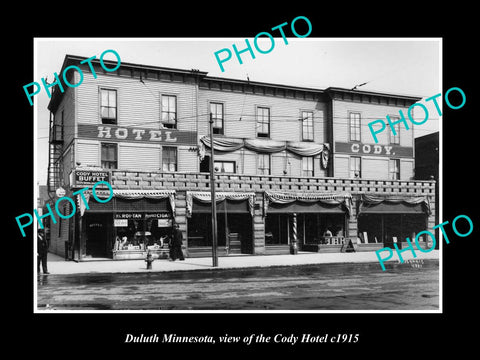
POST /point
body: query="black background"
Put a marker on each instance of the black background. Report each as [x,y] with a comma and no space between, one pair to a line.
[381,335]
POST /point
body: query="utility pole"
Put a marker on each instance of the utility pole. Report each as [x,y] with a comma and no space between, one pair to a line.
[212,196]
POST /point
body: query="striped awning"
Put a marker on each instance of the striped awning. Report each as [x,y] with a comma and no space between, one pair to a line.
[393,204]
[206,197]
[329,199]
[127,194]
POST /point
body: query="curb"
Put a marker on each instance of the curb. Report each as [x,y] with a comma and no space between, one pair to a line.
[389,265]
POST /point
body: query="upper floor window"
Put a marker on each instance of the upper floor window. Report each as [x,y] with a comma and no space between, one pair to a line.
[216,110]
[263,122]
[169,111]
[263,164]
[109,158]
[395,139]
[355,167]
[169,158]
[394,169]
[307,166]
[225,166]
[307,125]
[354,125]
[108,106]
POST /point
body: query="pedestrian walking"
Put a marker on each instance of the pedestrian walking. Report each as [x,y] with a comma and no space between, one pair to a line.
[176,244]
[42,251]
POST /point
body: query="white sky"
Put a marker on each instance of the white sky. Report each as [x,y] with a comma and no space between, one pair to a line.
[398,66]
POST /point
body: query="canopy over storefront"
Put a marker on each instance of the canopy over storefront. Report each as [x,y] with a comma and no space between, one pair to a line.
[125,195]
[372,204]
[303,202]
[206,198]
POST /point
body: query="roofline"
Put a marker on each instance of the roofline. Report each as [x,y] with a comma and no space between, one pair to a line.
[134,65]
[258,83]
[73,59]
[375,93]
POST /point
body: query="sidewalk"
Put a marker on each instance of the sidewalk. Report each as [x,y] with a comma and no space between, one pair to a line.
[57,265]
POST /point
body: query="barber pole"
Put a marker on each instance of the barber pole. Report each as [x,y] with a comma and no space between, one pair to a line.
[293,245]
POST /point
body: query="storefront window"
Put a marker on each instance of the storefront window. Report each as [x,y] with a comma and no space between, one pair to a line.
[276,229]
[142,231]
[312,228]
[390,228]
[200,230]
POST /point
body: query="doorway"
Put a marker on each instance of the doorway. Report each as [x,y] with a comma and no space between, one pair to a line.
[98,228]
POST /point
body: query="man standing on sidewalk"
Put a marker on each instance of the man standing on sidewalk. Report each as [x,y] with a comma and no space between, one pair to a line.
[42,251]
[176,244]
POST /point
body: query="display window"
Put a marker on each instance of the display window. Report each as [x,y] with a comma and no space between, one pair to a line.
[142,231]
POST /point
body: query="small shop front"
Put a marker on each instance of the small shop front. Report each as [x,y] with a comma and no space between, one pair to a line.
[234,223]
[126,227]
[310,222]
[387,220]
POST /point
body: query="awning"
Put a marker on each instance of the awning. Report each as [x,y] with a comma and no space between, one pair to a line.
[371,204]
[230,206]
[304,207]
[281,202]
[204,197]
[140,200]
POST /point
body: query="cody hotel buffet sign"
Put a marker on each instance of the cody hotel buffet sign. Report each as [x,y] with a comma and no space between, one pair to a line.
[88,177]
[134,134]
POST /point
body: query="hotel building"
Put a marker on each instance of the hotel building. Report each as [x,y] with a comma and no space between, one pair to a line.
[296,169]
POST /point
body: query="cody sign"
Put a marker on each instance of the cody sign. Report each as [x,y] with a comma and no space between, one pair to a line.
[370,149]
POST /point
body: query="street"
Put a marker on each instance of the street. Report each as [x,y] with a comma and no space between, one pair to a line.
[408,286]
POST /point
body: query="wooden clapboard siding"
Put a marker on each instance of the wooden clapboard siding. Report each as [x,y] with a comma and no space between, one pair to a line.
[317,168]
[407,167]
[67,165]
[139,156]
[187,159]
[277,163]
[87,152]
[368,113]
[250,165]
[240,114]
[374,168]
[138,104]
[67,105]
[342,169]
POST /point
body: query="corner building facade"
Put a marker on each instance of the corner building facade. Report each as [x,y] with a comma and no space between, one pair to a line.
[295,168]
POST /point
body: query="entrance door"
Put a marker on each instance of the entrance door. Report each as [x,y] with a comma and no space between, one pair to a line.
[97,235]
[240,234]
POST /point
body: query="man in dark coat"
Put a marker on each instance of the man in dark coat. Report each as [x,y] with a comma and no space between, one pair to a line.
[42,251]
[176,244]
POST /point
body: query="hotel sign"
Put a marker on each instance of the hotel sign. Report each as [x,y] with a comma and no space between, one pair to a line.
[135,134]
[373,149]
[89,177]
